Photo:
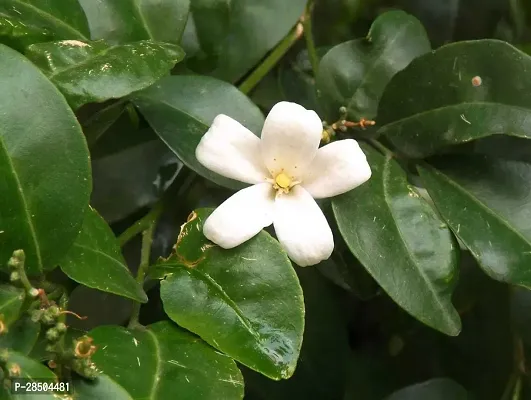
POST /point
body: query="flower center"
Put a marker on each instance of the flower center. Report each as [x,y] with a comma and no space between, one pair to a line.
[283,181]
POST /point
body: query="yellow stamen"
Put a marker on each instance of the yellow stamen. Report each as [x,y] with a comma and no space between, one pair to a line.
[283,181]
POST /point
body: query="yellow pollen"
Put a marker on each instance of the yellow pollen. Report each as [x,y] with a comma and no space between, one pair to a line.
[283,181]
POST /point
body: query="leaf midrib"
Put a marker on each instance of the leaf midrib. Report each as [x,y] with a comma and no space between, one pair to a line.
[9,302]
[226,298]
[451,106]
[482,205]
[137,293]
[142,19]
[157,374]
[414,261]
[84,63]
[53,18]
[22,199]
[376,62]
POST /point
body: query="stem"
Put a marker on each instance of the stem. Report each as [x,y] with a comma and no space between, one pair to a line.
[147,240]
[141,225]
[272,59]
[61,371]
[509,387]
[381,147]
[517,389]
[308,36]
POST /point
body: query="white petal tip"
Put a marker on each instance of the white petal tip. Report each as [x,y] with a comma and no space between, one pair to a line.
[219,237]
[311,261]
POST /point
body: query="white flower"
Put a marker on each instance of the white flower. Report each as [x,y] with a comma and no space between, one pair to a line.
[287,170]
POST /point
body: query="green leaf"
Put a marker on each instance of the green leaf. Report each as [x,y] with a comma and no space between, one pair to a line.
[402,243]
[486,202]
[120,21]
[181,108]
[63,19]
[95,260]
[11,299]
[44,164]
[21,336]
[88,72]
[434,389]
[460,92]
[29,368]
[103,387]
[236,35]
[325,344]
[165,362]
[246,302]
[16,34]
[354,74]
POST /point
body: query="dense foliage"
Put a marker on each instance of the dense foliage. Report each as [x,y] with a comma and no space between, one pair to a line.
[107,280]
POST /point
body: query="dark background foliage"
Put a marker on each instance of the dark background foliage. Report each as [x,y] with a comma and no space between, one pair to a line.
[358,342]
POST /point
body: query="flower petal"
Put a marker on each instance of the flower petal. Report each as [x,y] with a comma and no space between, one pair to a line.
[230,149]
[337,168]
[290,138]
[241,216]
[301,228]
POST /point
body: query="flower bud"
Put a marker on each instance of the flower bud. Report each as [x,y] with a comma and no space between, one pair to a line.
[60,327]
[36,315]
[50,348]
[47,319]
[52,335]
[15,276]
[34,292]
[54,311]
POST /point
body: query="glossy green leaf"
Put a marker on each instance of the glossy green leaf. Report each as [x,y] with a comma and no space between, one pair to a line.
[458,93]
[121,21]
[16,34]
[236,35]
[246,302]
[95,260]
[103,387]
[325,344]
[29,368]
[11,299]
[487,204]
[181,108]
[21,336]
[165,362]
[435,389]
[354,74]
[402,243]
[88,72]
[63,19]
[44,164]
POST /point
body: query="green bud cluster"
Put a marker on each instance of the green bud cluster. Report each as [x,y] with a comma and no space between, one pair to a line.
[85,367]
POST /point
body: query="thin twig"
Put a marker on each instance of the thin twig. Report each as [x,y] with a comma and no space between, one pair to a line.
[272,59]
